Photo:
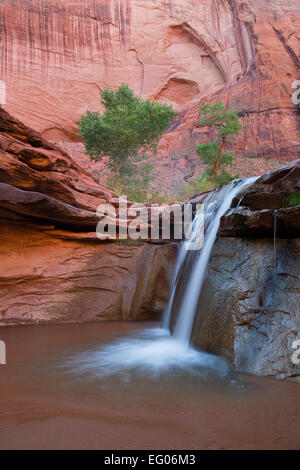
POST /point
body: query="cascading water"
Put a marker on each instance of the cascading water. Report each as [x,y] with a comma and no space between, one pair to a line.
[156,352]
[191,235]
[216,204]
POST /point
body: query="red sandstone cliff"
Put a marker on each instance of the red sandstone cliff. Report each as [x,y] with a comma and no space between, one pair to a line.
[50,256]
[57,55]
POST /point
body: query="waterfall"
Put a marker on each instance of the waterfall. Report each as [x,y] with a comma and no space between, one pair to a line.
[155,352]
[192,266]
[166,321]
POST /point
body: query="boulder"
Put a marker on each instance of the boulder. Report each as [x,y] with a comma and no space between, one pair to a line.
[248,310]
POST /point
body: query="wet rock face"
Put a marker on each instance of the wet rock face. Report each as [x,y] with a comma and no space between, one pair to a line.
[48,278]
[285,178]
[57,55]
[271,189]
[248,312]
[264,204]
[252,224]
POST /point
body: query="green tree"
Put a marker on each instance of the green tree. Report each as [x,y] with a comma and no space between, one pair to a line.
[127,129]
[227,123]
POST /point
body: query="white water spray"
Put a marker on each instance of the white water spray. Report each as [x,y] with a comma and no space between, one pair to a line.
[215,209]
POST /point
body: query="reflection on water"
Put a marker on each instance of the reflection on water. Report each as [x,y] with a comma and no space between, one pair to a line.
[124,386]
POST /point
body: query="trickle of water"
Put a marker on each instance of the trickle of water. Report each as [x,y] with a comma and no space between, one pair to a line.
[240,201]
[217,205]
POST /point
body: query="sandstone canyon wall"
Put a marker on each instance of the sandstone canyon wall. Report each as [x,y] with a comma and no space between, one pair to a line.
[50,277]
[57,55]
[53,268]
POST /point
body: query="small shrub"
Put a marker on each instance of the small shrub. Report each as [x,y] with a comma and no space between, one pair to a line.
[202,184]
[158,197]
[133,181]
[293,199]
[198,185]
[225,178]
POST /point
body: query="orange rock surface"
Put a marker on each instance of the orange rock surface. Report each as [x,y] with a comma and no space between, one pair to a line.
[57,55]
[46,279]
[53,268]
